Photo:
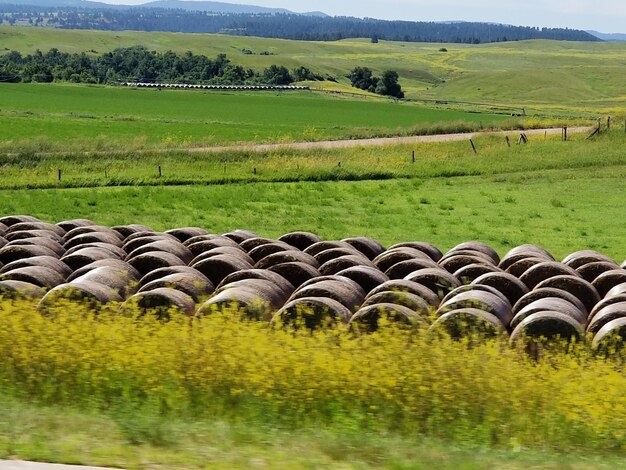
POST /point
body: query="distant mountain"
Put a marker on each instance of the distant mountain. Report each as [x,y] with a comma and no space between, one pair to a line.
[609,36]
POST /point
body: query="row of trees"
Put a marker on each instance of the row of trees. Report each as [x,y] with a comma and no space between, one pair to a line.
[387,85]
[139,64]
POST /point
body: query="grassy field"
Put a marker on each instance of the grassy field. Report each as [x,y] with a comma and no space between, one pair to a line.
[57,116]
[545,77]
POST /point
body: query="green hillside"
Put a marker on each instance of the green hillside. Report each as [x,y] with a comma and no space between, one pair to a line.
[543,76]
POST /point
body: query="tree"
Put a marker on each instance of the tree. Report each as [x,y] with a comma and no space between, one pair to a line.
[388,85]
[362,77]
[374,39]
[277,75]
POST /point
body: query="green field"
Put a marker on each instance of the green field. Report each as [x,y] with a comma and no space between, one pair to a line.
[542,76]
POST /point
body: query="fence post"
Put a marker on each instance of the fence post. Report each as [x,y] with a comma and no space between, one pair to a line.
[565,134]
[59,174]
[608,123]
[413,156]
[160,173]
[473,146]
[508,141]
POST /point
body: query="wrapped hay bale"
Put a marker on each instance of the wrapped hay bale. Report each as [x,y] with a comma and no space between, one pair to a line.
[324,245]
[150,261]
[91,229]
[332,253]
[453,263]
[30,226]
[160,273]
[200,246]
[369,247]
[343,290]
[300,240]
[223,250]
[296,273]
[611,336]
[404,268]
[512,288]
[128,230]
[40,241]
[33,234]
[479,247]
[216,268]
[85,256]
[117,264]
[438,280]
[544,292]
[402,285]
[94,237]
[606,315]
[468,323]
[590,271]
[240,235]
[37,275]
[576,286]
[472,288]
[261,251]
[10,220]
[608,280]
[116,252]
[69,225]
[405,299]
[279,281]
[160,302]
[257,299]
[580,258]
[429,249]
[608,300]
[291,256]
[46,261]
[394,256]
[169,246]
[482,300]
[12,253]
[185,233]
[518,268]
[551,304]
[542,326]
[89,294]
[524,251]
[546,270]
[368,319]
[198,287]
[467,274]
[20,290]
[366,276]
[313,312]
[123,282]
[344,262]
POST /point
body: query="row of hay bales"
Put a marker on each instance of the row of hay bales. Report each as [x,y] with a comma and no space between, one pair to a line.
[301,277]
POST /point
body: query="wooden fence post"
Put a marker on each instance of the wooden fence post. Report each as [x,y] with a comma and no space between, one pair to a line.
[508,141]
[473,146]
[160,173]
[59,174]
[413,156]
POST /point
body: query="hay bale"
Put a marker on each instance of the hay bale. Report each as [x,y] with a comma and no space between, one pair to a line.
[281,257]
[149,233]
[47,261]
[38,241]
[469,273]
[616,299]
[185,233]
[468,322]
[243,301]
[403,268]
[480,247]
[545,292]
[117,264]
[608,280]
[406,299]
[402,285]
[518,268]
[477,254]
[438,280]
[314,312]
[617,290]
[69,225]
[198,287]
[89,229]
[37,275]
[453,263]
[116,252]
[93,237]
[28,234]
[252,243]
[580,258]
[542,271]
[160,302]
[86,256]
[366,276]
[296,273]
[482,300]
[429,249]
[509,285]
[577,286]
[551,304]
[87,293]
[279,281]
[223,250]
[121,281]
[3,241]
[199,245]
[332,253]
[343,290]
[216,268]
[344,262]
[524,251]
[590,271]
[169,270]
[394,256]
[548,326]
[12,253]
[367,319]
[240,235]
[128,230]
[473,288]
[369,247]
[30,226]
[611,336]
[274,295]
[10,220]
[606,315]
[324,245]
[174,247]
[623,265]
[150,261]
[20,290]
[260,252]
[3,229]
[300,240]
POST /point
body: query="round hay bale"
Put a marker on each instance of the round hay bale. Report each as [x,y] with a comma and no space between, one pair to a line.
[30,226]
[332,253]
[367,319]
[41,235]
[548,326]
[314,312]
[438,280]
[367,246]
[269,292]
[606,315]
[469,273]
[120,281]
[20,290]
[623,265]
[185,233]
[221,240]
[300,240]
[261,251]
[252,243]
[394,256]
[617,290]
[264,274]
[611,336]
[117,264]
[128,230]
[149,233]
[93,237]
[160,302]
[168,246]
[468,322]
[542,271]
[453,263]
[216,268]
[150,261]
[367,277]
[89,229]
[12,253]
[116,252]
[287,257]
[131,245]
[403,268]
[198,287]
[580,258]
[545,292]
[47,261]
[616,299]
[590,271]
[343,290]
[37,275]
[576,286]
[86,256]
[344,262]
[482,300]
[551,304]
[223,251]
[3,241]
[477,254]
[88,293]
[473,288]
[480,247]
[410,301]
[240,235]
[199,245]
[169,270]
[10,220]
[512,288]
[69,225]
[402,285]
[524,251]
[608,280]
[3,229]
[39,241]
[296,273]
[324,245]
[429,249]
[243,301]
[518,268]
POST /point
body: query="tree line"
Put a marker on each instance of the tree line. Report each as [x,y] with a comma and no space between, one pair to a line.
[285,26]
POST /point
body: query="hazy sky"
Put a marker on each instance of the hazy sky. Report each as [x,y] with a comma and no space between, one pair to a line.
[602,15]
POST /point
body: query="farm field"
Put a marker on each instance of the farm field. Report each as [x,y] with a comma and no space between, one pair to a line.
[545,77]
